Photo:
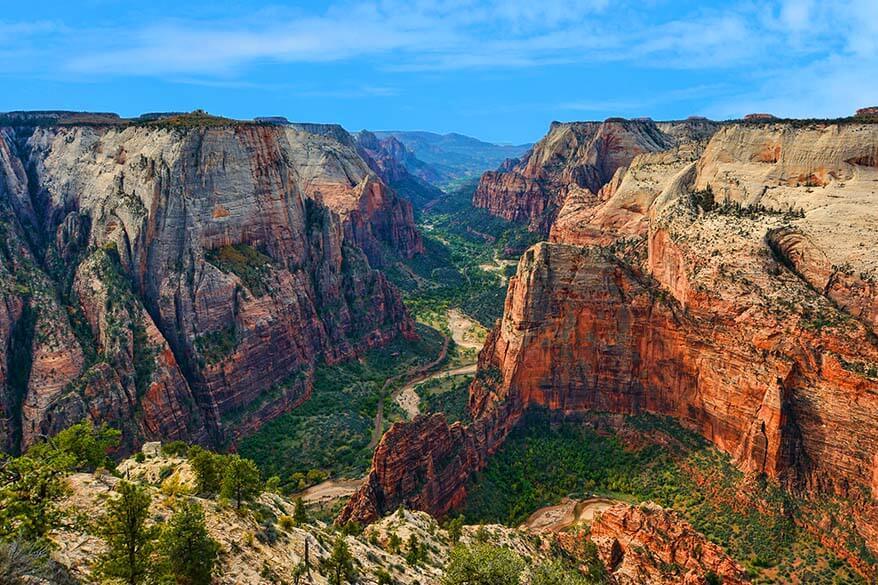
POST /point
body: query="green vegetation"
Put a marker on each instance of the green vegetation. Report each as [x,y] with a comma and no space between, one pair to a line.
[180,551]
[86,446]
[557,572]
[124,316]
[189,550]
[130,542]
[31,486]
[483,564]
[448,394]
[460,243]
[208,468]
[338,567]
[217,345]
[246,262]
[332,430]
[542,462]
[231,476]
[194,119]
[241,481]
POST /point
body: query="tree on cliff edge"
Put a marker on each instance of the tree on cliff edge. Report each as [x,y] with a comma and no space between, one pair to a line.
[241,481]
[130,542]
[339,566]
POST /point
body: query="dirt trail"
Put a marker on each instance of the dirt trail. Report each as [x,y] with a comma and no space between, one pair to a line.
[566,514]
[466,332]
[408,398]
[331,489]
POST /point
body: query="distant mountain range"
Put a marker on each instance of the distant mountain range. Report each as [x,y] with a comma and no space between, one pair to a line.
[455,156]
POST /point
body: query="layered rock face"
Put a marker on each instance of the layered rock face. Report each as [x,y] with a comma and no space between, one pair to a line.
[745,310]
[576,159]
[182,281]
[399,167]
[637,544]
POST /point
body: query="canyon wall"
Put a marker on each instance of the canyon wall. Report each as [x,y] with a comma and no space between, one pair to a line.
[576,158]
[182,280]
[723,285]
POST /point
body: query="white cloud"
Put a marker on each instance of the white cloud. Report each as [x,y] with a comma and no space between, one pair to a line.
[788,56]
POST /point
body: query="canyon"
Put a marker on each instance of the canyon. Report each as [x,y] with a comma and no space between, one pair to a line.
[723,278]
[172,274]
[182,276]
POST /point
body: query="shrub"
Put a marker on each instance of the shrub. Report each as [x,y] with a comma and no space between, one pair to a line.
[188,550]
[483,564]
[286,523]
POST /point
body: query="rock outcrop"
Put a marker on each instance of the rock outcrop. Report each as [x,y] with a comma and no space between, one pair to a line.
[731,289]
[268,549]
[399,167]
[576,159]
[648,544]
[183,279]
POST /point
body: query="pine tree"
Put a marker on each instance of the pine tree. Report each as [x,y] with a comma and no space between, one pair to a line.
[300,514]
[241,481]
[87,444]
[339,566]
[130,542]
[455,528]
[208,469]
[188,550]
[30,489]
[415,553]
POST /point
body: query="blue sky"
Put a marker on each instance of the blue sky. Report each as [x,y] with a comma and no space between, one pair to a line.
[499,70]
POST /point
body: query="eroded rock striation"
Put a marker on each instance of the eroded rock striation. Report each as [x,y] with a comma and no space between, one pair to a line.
[730,287]
[577,159]
[182,280]
[648,544]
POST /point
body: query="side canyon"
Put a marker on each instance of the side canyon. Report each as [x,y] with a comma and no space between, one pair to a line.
[719,274]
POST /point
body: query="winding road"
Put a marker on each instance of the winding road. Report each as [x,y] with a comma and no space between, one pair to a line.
[461,327]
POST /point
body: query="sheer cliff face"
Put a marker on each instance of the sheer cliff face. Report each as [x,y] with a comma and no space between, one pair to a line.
[752,323]
[576,159]
[171,279]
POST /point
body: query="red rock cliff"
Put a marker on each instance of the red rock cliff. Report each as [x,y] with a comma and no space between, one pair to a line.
[714,306]
[168,279]
[578,157]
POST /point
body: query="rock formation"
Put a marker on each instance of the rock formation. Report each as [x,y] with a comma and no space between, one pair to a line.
[576,159]
[647,544]
[182,279]
[399,167]
[643,541]
[732,288]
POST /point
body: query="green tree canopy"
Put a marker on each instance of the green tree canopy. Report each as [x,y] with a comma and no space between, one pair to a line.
[88,446]
[30,489]
[483,564]
[338,567]
[557,573]
[241,481]
[130,542]
[208,468]
[189,551]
